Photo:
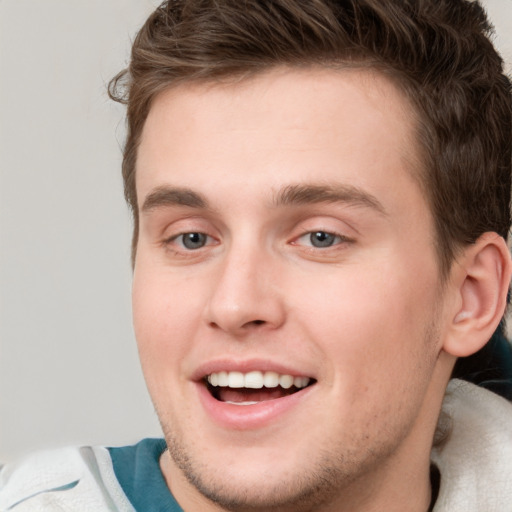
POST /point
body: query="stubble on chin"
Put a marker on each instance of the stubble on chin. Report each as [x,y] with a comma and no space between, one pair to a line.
[309,488]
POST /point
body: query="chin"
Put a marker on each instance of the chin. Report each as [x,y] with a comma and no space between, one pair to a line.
[279,479]
[258,487]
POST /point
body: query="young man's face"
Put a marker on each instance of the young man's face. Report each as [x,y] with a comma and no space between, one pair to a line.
[284,238]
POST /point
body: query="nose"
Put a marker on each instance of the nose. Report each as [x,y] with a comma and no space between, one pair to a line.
[246,296]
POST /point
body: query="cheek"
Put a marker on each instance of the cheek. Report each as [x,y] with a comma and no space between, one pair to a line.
[164,321]
[373,333]
[370,320]
[165,313]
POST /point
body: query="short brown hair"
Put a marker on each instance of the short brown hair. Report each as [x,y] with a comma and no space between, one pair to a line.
[437,51]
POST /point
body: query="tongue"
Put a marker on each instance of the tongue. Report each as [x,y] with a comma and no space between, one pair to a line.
[251,395]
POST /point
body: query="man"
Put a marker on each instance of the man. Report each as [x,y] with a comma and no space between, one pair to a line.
[321,198]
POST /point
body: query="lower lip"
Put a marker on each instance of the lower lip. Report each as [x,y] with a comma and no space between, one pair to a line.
[249,417]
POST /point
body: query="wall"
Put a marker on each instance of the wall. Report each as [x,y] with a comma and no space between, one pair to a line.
[68,363]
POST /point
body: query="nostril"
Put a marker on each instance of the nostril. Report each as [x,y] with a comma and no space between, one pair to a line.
[215,325]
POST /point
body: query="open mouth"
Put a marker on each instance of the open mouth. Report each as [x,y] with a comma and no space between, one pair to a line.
[254,387]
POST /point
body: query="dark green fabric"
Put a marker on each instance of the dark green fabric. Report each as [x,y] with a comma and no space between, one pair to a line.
[491,367]
[137,469]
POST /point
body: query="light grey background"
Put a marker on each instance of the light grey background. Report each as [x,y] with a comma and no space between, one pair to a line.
[69,372]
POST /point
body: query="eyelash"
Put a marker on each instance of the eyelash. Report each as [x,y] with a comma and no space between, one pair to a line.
[337,239]
[182,247]
[333,241]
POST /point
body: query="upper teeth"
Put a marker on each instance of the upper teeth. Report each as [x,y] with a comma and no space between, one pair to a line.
[256,380]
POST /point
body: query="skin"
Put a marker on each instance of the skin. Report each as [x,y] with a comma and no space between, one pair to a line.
[366,317]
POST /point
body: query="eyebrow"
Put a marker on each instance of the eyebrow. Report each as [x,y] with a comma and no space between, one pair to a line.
[173,196]
[302,194]
[291,195]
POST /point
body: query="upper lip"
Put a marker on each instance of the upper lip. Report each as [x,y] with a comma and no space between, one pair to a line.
[245,366]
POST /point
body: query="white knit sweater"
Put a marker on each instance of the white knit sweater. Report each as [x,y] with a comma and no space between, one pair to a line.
[476,461]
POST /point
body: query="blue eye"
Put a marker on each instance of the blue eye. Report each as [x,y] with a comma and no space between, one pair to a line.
[193,240]
[322,239]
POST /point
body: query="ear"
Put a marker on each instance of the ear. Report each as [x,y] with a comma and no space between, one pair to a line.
[480,278]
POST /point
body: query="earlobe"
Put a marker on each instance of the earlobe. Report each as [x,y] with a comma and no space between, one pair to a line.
[481,279]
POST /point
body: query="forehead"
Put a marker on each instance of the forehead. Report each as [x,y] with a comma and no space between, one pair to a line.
[303,125]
